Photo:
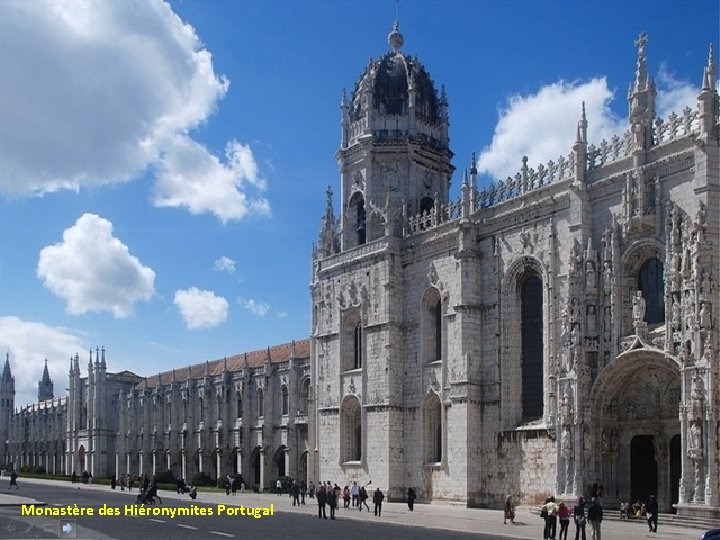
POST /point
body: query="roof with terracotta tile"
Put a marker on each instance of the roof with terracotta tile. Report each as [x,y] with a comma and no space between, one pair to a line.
[278,354]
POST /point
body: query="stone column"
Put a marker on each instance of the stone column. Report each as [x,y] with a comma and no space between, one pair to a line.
[262,468]
[183,465]
[218,464]
[238,461]
[287,461]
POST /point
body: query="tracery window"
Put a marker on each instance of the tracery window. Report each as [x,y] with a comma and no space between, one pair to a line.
[651,283]
[432,428]
[284,399]
[351,427]
[432,326]
[532,347]
[353,343]
[260,403]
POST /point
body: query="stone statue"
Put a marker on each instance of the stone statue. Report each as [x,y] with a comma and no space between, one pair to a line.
[705,316]
[676,315]
[566,443]
[607,278]
[695,444]
[638,307]
[591,320]
[590,276]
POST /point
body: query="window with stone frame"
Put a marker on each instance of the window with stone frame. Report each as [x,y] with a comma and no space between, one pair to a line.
[651,282]
[532,347]
[351,429]
[352,341]
[432,428]
[260,403]
[356,221]
[284,399]
[239,410]
[304,396]
[432,326]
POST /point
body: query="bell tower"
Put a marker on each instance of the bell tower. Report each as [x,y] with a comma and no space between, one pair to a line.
[394,156]
[7,404]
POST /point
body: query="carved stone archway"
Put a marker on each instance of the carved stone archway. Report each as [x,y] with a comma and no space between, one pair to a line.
[636,395]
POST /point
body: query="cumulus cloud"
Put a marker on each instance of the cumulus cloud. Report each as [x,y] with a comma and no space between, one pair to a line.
[543,126]
[94,271]
[673,94]
[189,176]
[28,344]
[99,92]
[201,309]
[225,264]
[258,308]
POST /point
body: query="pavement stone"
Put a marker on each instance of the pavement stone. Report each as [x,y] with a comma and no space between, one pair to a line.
[436,516]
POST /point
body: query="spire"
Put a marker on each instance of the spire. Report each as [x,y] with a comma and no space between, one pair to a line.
[103,365]
[582,127]
[71,366]
[7,374]
[76,370]
[709,71]
[641,74]
[173,375]
[328,228]
[46,374]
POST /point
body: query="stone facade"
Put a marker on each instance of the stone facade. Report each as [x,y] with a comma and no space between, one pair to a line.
[549,334]
[246,414]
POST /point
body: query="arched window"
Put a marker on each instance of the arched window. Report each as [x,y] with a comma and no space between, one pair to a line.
[651,283]
[352,342]
[361,223]
[426,205]
[432,326]
[260,403]
[432,428]
[351,426]
[239,405]
[304,396]
[532,347]
[284,398]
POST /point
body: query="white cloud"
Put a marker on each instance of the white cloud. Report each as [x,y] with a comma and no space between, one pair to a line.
[189,176]
[225,264]
[201,309]
[29,344]
[282,315]
[94,271]
[543,126]
[673,94]
[99,92]
[258,308]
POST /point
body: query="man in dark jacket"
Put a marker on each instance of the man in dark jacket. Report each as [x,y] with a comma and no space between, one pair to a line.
[579,517]
[651,510]
[595,516]
[378,498]
[321,499]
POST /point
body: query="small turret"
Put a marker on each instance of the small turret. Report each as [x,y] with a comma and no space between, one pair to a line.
[709,108]
[45,385]
[641,100]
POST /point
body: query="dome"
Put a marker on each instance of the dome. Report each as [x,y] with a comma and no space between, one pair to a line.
[389,81]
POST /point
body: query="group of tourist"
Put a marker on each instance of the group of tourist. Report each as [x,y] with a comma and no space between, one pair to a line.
[551,512]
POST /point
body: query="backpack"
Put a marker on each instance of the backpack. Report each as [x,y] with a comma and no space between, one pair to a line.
[581,520]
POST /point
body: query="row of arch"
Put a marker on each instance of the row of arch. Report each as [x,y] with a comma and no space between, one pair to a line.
[284,400]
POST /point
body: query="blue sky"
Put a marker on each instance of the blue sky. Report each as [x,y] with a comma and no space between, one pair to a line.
[163,166]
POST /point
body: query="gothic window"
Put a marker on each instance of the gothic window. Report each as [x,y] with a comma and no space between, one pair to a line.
[260,403]
[239,406]
[351,426]
[432,326]
[426,205]
[284,398]
[432,428]
[651,283]
[353,343]
[357,218]
[304,396]
[532,347]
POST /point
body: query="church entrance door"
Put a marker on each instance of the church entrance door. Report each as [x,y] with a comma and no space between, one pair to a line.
[256,469]
[643,468]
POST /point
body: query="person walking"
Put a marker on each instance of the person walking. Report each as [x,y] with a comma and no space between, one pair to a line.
[303,492]
[74,477]
[508,511]
[595,516]
[579,518]
[346,497]
[311,490]
[13,480]
[550,510]
[321,500]
[354,493]
[564,515]
[331,500]
[651,512]
[411,498]
[378,500]
[278,486]
[363,497]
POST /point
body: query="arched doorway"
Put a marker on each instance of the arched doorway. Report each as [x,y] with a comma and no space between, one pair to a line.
[643,468]
[302,467]
[280,462]
[635,402]
[81,457]
[256,467]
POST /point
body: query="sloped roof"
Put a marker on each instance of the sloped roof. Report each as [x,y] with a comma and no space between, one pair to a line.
[278,354]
